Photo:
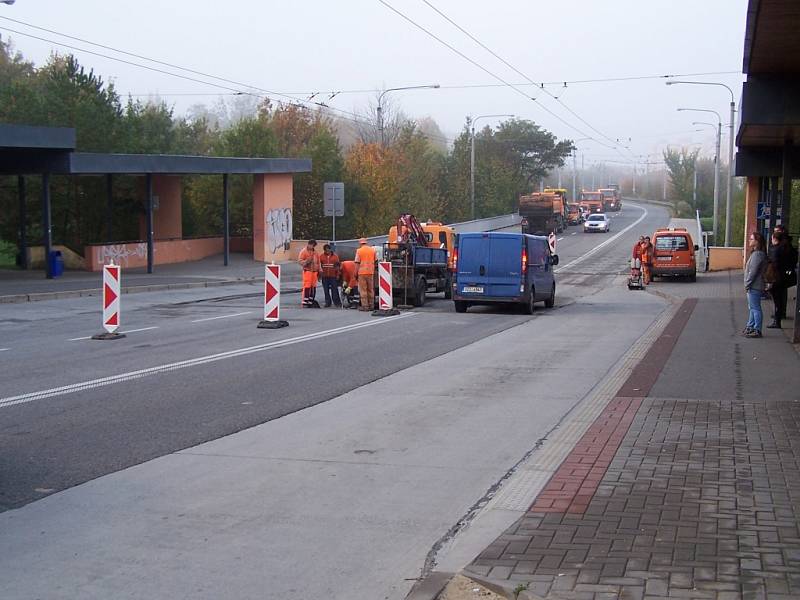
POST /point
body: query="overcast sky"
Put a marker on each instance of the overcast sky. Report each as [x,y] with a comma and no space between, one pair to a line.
[315,46]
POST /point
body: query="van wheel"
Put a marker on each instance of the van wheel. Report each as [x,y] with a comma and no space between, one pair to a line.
[448,287]
[461,306]
[528,307]
[693,277]
[420,291]
[551,301]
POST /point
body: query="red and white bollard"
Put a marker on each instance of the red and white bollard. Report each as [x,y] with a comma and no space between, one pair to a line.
[272,299]
[112,276]
[385,297]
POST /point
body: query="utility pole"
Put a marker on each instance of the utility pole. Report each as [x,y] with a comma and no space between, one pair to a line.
[574,173]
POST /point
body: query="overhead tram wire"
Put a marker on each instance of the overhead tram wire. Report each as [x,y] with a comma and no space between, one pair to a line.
[490,73]
[349,116]
[516,70]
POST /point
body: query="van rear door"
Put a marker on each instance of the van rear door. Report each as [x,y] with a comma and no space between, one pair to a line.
[505,265]
[473,265]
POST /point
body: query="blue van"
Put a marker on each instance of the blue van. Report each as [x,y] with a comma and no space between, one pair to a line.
[511,268]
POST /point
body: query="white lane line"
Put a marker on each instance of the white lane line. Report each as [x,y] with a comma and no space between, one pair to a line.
[559,239]
[4,349]
[574,233]
[249,312]
[607,242]
[192,362]
[88,337]
[137,330]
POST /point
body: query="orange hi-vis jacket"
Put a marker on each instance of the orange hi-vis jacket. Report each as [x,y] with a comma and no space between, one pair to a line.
[365,258]
[349,274]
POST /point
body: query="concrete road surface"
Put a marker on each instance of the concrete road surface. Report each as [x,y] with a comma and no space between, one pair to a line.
[200,457]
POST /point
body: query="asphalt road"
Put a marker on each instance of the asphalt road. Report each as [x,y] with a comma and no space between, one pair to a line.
[238,377]
[361,441]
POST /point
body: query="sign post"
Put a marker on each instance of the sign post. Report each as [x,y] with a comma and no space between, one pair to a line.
[272,299]
[112,275]
[333,203]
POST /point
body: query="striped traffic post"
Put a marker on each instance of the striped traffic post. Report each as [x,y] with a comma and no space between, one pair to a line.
[112,276]
[272,299]
[385,298]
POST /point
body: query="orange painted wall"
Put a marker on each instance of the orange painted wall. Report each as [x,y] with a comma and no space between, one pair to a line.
[272,217]
[725,259]
[134,254]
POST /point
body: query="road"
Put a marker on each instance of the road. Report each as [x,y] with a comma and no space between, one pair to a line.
[362,440]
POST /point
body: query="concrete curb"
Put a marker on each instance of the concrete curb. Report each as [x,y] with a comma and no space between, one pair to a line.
[430,587]
[138,289]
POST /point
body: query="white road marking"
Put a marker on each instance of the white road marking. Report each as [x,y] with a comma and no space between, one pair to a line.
[137,330]
[606,243]
[4,349]
[183,364]
[88,337]
[249,312]
[559,239]
[574,233]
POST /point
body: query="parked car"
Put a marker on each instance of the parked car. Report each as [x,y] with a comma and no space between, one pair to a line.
[597,222]
[506,268]
[674,253]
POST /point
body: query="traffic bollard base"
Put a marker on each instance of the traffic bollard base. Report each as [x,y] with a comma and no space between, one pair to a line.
[279,324]
[392,312]
[108,336]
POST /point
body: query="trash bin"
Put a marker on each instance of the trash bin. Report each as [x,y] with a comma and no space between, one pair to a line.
[56,263]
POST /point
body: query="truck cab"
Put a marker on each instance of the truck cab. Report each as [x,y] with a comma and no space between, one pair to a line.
[503,268]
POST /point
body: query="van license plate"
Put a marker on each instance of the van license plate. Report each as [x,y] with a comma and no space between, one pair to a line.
[665,258]
[473,289]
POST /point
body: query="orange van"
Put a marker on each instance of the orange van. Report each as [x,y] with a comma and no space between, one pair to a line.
[674,253]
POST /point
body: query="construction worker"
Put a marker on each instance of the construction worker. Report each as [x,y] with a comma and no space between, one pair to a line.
[647,259]
[330,269]
[365,259]
[309,262]
[349,274]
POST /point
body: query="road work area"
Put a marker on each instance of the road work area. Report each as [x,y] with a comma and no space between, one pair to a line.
[343,456]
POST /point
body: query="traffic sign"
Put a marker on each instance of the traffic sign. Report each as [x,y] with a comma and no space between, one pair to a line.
[333,199]
[111,304]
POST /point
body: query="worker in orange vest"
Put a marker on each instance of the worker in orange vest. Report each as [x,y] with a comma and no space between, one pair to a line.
[349,275]
[365,259]
[309,262]
[647,259]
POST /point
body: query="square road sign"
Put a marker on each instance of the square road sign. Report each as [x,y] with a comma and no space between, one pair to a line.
[333,199]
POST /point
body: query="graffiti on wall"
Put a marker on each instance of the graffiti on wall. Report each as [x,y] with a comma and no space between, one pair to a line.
[120,253]
[279,229]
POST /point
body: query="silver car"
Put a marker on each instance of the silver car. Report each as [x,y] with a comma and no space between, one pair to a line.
[596,222]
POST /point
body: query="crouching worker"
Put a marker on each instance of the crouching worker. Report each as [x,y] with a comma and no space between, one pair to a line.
[349,273]
[309,262]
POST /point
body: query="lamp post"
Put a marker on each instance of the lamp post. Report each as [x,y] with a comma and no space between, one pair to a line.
[728,199]
[718,127]
[472,159]
[379,110]
[716,172]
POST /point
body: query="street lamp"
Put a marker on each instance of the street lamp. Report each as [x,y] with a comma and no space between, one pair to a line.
[728,199]
[472,159]
[716,166]
[718,127]
[397,89]
[575,167]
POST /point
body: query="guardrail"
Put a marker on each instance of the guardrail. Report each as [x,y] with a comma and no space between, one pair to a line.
[488,224]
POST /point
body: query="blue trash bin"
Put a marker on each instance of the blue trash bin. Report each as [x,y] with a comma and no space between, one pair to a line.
[56,263]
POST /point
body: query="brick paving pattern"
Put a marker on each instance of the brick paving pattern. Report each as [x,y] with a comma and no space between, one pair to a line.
[700,499]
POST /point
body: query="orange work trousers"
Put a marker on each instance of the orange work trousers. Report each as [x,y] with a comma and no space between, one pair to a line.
[646,273]
[366,290]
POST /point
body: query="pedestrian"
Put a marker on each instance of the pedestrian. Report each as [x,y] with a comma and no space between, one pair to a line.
[331,270]
[781,273]
[754,284]
[365,259]
[647,259]
[309,262]
[636,254]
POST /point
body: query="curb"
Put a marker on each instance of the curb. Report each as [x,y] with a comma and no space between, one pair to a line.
[138,289]
[430,587]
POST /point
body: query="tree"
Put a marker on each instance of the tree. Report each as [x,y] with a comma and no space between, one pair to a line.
[681,166]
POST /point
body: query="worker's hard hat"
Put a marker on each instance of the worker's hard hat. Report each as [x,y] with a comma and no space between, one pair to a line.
[362,241]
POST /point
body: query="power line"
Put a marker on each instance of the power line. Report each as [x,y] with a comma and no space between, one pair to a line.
[236,91]
[516,70]
[487,71]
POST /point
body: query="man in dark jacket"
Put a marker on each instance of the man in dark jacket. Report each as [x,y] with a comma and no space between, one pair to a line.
[783,262]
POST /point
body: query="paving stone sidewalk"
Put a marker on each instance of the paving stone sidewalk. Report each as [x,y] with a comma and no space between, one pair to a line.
[686,486]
